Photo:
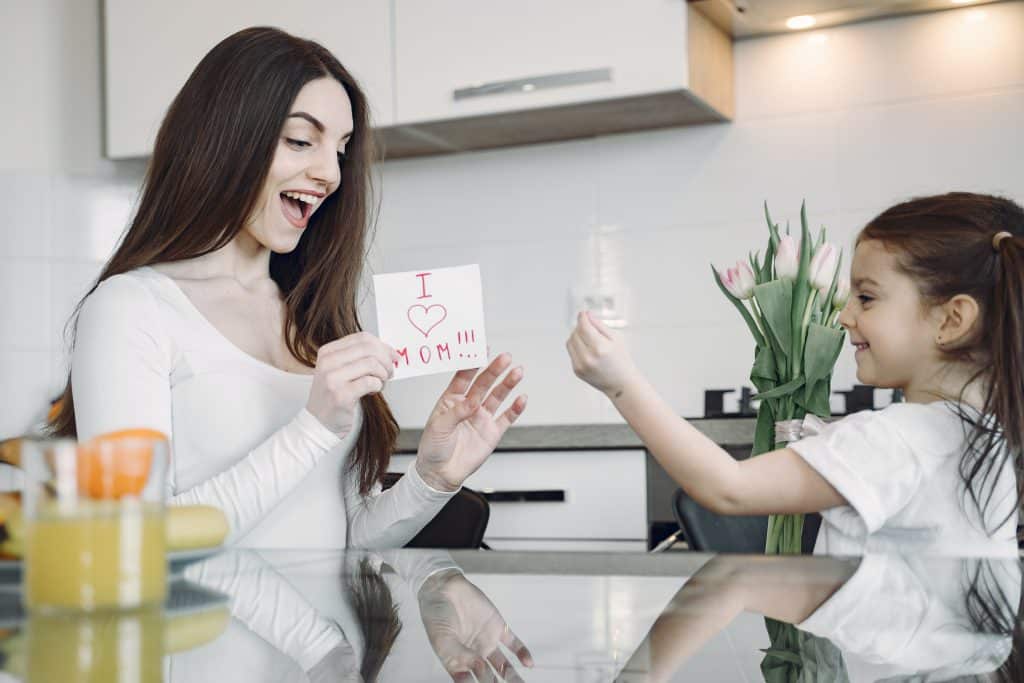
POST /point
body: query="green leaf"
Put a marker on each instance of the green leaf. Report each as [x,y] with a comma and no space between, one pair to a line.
[767,273]
[773,229]
[801,292]
[823,347]
[782,390]
[775,299]
[816,398]
[764,432]
[747,318]
[764,373]
[784,655]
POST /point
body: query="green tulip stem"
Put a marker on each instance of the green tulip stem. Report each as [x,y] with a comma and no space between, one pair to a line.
[797,360]
[758,317]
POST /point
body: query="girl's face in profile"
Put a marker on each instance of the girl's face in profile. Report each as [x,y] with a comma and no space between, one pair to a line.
[306,167]
[886,321]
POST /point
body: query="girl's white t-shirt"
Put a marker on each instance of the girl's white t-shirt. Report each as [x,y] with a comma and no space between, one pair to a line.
[910,616]
[241,438]
[899,470]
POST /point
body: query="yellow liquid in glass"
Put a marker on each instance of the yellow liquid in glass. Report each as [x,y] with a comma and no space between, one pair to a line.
[96,555]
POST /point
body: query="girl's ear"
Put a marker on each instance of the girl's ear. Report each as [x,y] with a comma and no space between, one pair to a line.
[956,320]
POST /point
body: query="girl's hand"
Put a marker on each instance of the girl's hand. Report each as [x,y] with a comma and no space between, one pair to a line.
[599,356]
[466,630]
[464,427]
[346,370]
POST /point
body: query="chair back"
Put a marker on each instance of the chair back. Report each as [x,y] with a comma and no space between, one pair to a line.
[461,523]
[706,531]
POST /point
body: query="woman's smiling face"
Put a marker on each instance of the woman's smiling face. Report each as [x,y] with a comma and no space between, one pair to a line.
[306,167]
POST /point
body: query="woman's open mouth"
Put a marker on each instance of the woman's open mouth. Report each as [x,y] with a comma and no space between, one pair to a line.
[297,207]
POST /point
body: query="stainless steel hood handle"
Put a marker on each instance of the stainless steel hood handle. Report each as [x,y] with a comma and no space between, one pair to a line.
[556,80]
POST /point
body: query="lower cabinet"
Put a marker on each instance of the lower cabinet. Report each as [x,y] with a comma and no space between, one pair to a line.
[562,500]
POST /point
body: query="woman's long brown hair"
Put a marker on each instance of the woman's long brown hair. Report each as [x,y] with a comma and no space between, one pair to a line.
[945,243]
[211,158]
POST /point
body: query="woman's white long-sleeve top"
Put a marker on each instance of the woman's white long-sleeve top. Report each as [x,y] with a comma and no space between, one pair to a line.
[241,438]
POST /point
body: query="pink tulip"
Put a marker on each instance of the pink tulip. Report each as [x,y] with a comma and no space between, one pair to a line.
[739,281]
[823,266]
[787,258]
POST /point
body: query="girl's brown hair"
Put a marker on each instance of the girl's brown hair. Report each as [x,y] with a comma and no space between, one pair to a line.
[211,158]
[947,244]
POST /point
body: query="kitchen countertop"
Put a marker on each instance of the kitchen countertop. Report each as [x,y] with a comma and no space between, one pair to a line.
[723,431]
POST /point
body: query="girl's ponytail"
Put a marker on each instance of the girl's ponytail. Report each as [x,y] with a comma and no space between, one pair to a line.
[1006,400]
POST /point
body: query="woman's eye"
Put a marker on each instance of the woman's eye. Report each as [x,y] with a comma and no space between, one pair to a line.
[864,298]
[342,157]
[296,143]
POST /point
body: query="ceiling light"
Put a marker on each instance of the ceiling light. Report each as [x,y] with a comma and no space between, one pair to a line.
[799,22]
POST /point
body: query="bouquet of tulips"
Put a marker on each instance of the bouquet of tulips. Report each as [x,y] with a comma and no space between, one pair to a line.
[790,301]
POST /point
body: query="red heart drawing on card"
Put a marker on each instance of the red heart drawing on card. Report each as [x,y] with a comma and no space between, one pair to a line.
[426,318]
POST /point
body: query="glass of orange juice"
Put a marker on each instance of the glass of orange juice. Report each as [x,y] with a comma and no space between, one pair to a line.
[94,522]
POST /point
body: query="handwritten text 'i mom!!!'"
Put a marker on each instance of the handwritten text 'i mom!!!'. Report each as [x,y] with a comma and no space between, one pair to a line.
[426,318]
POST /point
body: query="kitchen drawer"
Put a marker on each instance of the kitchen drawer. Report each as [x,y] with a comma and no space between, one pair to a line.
[604,495]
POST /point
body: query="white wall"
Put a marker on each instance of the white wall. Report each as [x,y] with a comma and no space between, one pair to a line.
[853,119]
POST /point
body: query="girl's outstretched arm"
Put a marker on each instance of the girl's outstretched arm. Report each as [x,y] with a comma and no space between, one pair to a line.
[776,482]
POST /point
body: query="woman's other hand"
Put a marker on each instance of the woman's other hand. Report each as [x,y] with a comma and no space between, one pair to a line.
[465,425]
[599,356]
[346,370]
[465,630]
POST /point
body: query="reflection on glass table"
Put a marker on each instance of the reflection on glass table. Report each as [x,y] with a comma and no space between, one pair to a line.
[419,615]
[880,617]
[129,645]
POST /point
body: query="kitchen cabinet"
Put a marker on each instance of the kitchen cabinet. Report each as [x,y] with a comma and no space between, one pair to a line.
[446,75]
[152,47]
[562,500]
[472,74]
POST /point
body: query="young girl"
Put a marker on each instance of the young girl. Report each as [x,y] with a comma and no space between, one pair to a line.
[227,316]
[937,310]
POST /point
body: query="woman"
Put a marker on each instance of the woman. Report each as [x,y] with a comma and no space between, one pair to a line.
[227,316]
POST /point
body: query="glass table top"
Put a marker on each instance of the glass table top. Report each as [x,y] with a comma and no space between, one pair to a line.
[420,615]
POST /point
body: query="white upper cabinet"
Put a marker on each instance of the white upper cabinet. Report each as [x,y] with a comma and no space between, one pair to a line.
[458,58]
[473,74]
[152,47]
[446,75]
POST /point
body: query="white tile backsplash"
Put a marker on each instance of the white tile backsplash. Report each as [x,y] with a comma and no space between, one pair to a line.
[26,215]
[852,119]
[70,283]
[710,174]
[25,305]
[968,142]
[950,53]
[506,195]
[91,215]
[26,387]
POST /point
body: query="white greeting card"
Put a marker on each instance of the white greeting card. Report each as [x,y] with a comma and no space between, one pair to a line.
[433,318]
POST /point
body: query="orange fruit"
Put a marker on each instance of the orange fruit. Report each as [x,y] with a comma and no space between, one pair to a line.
[116,464]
